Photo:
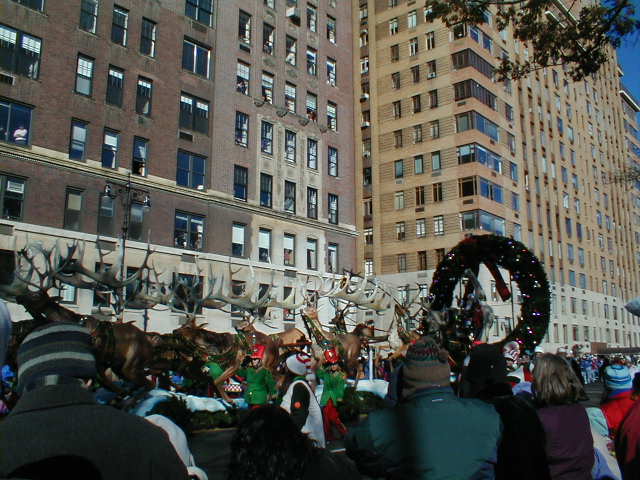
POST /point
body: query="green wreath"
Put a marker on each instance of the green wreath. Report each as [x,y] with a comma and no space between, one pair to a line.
[507,253]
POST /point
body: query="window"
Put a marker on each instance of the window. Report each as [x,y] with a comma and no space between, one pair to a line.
[242,129]
[333,206]
[73,209]
[89,15]
[290,146]
[471,88]
[267,87]
[312,153]
[290,97]
[416,104]
[191,170]
[491,190]
[266,190]
[332,154]
[364,65]
[431,40]
[266,138]
[332,116]
[195,57]
[139,162]
[312,202]
[368,236]
[473,120]
[119,25]
[289,197]
[402,262]
[291,51]
[19,52]
[237,239]
[243,75]
[189,231]
[436,163]
[200,10]
[515,201]
[397,109]
[78,142]
[398,200]
[331,72]
[400,230]
[84,75]
[268,39]
[312,61]
[420,197]
[438,225]
[394,53]
[331,29]
[115,86]
[144,92]
[312,106]
[397,138]
[148,38]
[12,197]
[332,258]
[110,149]
[422,260]
[312,18]
[289,249]
[312,254]
[433,98]
[240,182]
[264,245]
[398,169]
[415,74]
[393,26]
[194,114]
[412,19]
[244,27]
[434,128]
[368,266]
[467,187]
[366,176]
[437,192]
[413,47]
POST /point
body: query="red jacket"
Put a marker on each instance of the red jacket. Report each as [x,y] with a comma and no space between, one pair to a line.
[628,444]
[615,409]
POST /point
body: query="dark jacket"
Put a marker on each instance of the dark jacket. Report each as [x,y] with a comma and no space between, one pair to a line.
[324,465]
[64,420]
[430,435]
[628,444]
[569,442]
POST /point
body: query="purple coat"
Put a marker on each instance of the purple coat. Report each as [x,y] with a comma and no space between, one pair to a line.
[569,442]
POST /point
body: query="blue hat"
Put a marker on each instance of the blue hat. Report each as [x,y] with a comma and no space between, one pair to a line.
[617,377]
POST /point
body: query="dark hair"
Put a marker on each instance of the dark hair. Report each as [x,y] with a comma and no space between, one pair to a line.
[68,466]
[554,381]
[269,446]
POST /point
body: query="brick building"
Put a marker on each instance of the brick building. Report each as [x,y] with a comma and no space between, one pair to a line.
[232,120]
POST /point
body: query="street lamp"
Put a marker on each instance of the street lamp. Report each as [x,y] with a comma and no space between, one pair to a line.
[129,195]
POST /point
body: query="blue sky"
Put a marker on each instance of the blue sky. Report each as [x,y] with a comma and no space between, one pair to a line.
[629,59]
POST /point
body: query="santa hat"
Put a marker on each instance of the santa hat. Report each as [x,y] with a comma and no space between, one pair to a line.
[511,351]
[298,363]
[258,351]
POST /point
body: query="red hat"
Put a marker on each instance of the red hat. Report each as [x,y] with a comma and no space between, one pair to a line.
[258,351]
[331,356]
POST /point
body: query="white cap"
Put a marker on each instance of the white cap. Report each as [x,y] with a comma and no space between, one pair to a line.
[298,363]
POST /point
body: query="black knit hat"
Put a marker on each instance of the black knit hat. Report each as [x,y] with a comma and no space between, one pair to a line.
[55,352]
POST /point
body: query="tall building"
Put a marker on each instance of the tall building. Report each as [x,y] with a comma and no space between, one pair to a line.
[232,120]
[444,149]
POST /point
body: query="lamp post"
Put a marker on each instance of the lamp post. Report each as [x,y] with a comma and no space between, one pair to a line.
[129,195]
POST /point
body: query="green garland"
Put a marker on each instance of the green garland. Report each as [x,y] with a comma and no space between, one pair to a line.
[525,269]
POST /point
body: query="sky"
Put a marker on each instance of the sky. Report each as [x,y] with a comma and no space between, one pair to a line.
[629,59]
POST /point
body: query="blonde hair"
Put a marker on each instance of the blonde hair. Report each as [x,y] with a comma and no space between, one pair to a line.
[554,381]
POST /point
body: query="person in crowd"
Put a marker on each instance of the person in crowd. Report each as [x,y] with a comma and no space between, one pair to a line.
[299,399]
[521,452]
[260,382]
[430,433]
[334,383]
[268,445]
[57,416]
[627,441]
[618,390]
[5,337]
[20,135]
[569,443]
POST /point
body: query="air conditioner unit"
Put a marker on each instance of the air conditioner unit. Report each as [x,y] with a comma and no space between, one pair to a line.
[200,187]
[364,97]
[366,124]
[366,154]
[431,75]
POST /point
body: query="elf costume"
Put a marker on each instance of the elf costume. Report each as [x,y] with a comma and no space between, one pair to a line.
[334,383]
[260,382]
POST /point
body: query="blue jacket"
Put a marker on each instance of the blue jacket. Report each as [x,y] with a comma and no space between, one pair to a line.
[431,435]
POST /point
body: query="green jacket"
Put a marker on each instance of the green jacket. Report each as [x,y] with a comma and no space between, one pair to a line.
[215,370]
[333,383]
[260,385]
[431,435]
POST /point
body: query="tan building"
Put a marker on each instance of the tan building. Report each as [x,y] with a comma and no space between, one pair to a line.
[445,150]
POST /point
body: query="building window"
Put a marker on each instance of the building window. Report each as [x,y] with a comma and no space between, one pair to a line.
[434,128]
[144,93]
[266,138]
[73,209]
[418,164]
[106,214]
[312,18]
[421,228]
[89,15]
[400,230]
[431,40]
[194,114]
[312,254]
[139,162]
[200,10]
[267,87]
[402,262]
[472,89]
[331,72]
[413,47]
[289,249]
[189,231]
[290,94]
[266,190]
[290,146]
[268,39]
[422,260]
[110,147]
[397,109]
[115,86]
[289,197]
[394,53]
[84,75]
[291,51]
[332,116]
[398,200]
[333,209]
[312,106]
[393,26]
[417,134]
[237,239]
[420,197]
[467,187]
[431,69]
[78,142]
[243,74]
[333,161]
[190,170]
[242,129]
[331,29]
[415,73]
[436,161]
[368,236]
[332,258]
[398,169]
[368,266]
[416,104]
[19,52]
[433,98]
[244,27]
[312,61]
[119,25]
[312,153]
[437,192]
[195,58]
[438,225]
[148,38]
[312,202]
[264,245]
[240,182]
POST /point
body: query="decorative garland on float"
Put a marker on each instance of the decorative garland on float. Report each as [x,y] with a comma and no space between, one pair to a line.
[496,251]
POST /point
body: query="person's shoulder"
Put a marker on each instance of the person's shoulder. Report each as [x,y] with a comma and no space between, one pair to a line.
[324,464]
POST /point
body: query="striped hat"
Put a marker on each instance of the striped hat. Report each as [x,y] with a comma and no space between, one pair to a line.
[298,363]
[617,377]
[55,352]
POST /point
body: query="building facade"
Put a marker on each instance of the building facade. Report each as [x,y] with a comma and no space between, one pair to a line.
[445,149]
[232,120]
